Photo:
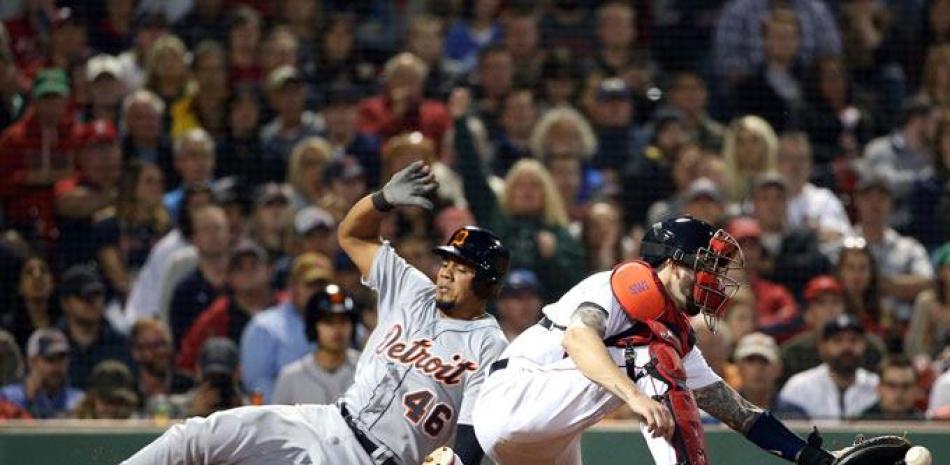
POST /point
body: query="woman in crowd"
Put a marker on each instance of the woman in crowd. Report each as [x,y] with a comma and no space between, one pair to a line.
[308,160]
[166,69]
[929,332]
[857,271]
[750,148]
[33,307]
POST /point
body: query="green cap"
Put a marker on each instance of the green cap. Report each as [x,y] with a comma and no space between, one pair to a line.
[50,81]
[942,256]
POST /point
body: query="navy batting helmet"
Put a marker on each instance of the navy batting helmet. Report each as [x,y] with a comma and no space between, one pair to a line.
[482,250]
[331,301]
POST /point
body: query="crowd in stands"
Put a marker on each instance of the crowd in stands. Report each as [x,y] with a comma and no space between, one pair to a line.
[172,173]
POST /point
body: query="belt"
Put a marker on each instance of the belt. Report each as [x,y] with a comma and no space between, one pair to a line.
[497,365]
[546,323]
[366,443]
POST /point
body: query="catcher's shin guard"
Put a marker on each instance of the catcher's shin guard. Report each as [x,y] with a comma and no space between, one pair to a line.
[666,365]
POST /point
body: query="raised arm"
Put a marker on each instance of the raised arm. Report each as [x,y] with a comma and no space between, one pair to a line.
[583,341]
[359,231]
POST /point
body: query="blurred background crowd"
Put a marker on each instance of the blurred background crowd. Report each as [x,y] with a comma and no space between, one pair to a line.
[173,172]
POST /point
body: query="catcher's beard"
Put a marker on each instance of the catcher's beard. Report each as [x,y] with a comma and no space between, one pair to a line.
[845,364]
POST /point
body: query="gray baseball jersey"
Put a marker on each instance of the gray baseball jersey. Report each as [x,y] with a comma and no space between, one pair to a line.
[420,372]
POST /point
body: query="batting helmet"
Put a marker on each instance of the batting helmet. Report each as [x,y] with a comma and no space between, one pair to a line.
[482,250]
[331,301]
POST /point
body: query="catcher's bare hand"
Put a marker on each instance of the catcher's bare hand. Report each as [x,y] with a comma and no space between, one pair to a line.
[654,415]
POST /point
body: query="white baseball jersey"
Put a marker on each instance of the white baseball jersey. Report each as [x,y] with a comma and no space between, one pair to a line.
[535,410]
[420,373]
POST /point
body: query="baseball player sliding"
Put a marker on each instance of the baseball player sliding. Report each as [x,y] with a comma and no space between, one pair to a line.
[417,380]
[624,337]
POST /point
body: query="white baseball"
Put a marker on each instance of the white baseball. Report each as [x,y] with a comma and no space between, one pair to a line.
[918,455]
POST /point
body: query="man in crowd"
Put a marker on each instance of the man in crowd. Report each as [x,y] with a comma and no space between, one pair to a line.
[519,304]
[152,352]
[45,392]
[760,367]
[217,381]
[194,165]
[898,392]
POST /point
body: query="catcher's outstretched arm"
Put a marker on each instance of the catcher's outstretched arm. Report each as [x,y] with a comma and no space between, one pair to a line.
[759,426]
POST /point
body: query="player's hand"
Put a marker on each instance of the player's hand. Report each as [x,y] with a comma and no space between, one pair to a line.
[411,186]
[654,415]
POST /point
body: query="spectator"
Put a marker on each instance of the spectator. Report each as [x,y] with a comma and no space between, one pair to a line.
[904,156]
[938,407]
[315,230]
[92,338]
[791,254]
[825,301]
[348,183]
[776,313]
[898,392]
[618,138]
[425,40]
[934,85]
[148,27]
[199,288]
[301,17]
[929,331]
[653,166]
[521,37]
[739,317]
[684,172]
[281,48]
[147,298]
[217,384]
[248,292]
[560,79]
[201,22]
[306,166]
[276,337]
[519,304]
[153,355]
[904,267]
[494,77]
[204,104]
[750,148]
[32,307]
[339,60]
[111,393]
[689,96]
[292,122]
[929,200]
[324,375]
[11,98]
[231,194]
[243,44]
[466,38]
[35,153]
[272,219]
[602,236]
[737,46]
[106,89]
[11,359]
[166,69]
[340,111]
[809,206]
[759,365]
[564,137]
[239,153]
[81,197]
[859,275]
[839,388]
[569,26]
[126,235]
[46,391]
[401,107]
[66,42]
[144,137]
[774,91]
[517,117]
[194,162]
[837,123]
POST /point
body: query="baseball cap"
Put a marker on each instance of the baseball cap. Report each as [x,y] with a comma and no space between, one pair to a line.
[100,131]
[112,380]
[612,89]
[757,344]
[521,280]
[845,322]
[282,76]
[81,281]
[46,342]
[703,187]
[218,355]
[230,190]
[744,227]
[346,169]
[272,192]
[103,64]
[50,81]
[820,285]
[769,179]
[245,249]
[310,267]
[310,218]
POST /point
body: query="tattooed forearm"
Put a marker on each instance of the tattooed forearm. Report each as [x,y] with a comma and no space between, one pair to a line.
[590,315]
[724,403]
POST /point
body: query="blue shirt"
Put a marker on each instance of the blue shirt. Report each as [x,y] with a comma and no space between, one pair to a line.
[172,200]
[272,340]
[44,405]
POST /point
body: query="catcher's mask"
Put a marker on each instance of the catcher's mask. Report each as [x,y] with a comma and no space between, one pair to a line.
[713,285]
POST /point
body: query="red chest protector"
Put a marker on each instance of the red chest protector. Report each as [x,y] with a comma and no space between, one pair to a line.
[659,325]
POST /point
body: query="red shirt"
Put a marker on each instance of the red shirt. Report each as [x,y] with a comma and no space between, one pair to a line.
[24,148]
[430,117]
[775,309]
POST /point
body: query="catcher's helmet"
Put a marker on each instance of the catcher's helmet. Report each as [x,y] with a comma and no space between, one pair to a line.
[331,301]
[676,239]
[482,250]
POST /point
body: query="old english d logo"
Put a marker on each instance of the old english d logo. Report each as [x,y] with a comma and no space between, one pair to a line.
[459,238]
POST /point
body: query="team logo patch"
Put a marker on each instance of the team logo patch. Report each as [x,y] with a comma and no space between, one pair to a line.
[639,287]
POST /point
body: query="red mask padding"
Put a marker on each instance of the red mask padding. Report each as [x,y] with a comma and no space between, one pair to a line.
[710,293]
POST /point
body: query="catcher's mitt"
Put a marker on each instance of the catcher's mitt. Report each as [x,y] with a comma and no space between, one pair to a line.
[880,450]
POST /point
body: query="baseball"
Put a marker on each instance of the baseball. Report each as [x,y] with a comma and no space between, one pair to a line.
[918,455]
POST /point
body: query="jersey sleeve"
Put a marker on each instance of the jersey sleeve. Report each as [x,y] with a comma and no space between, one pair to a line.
[394,279]
[494,345]
[698,373]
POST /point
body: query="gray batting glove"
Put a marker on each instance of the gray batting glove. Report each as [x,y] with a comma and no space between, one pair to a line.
[410,186]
